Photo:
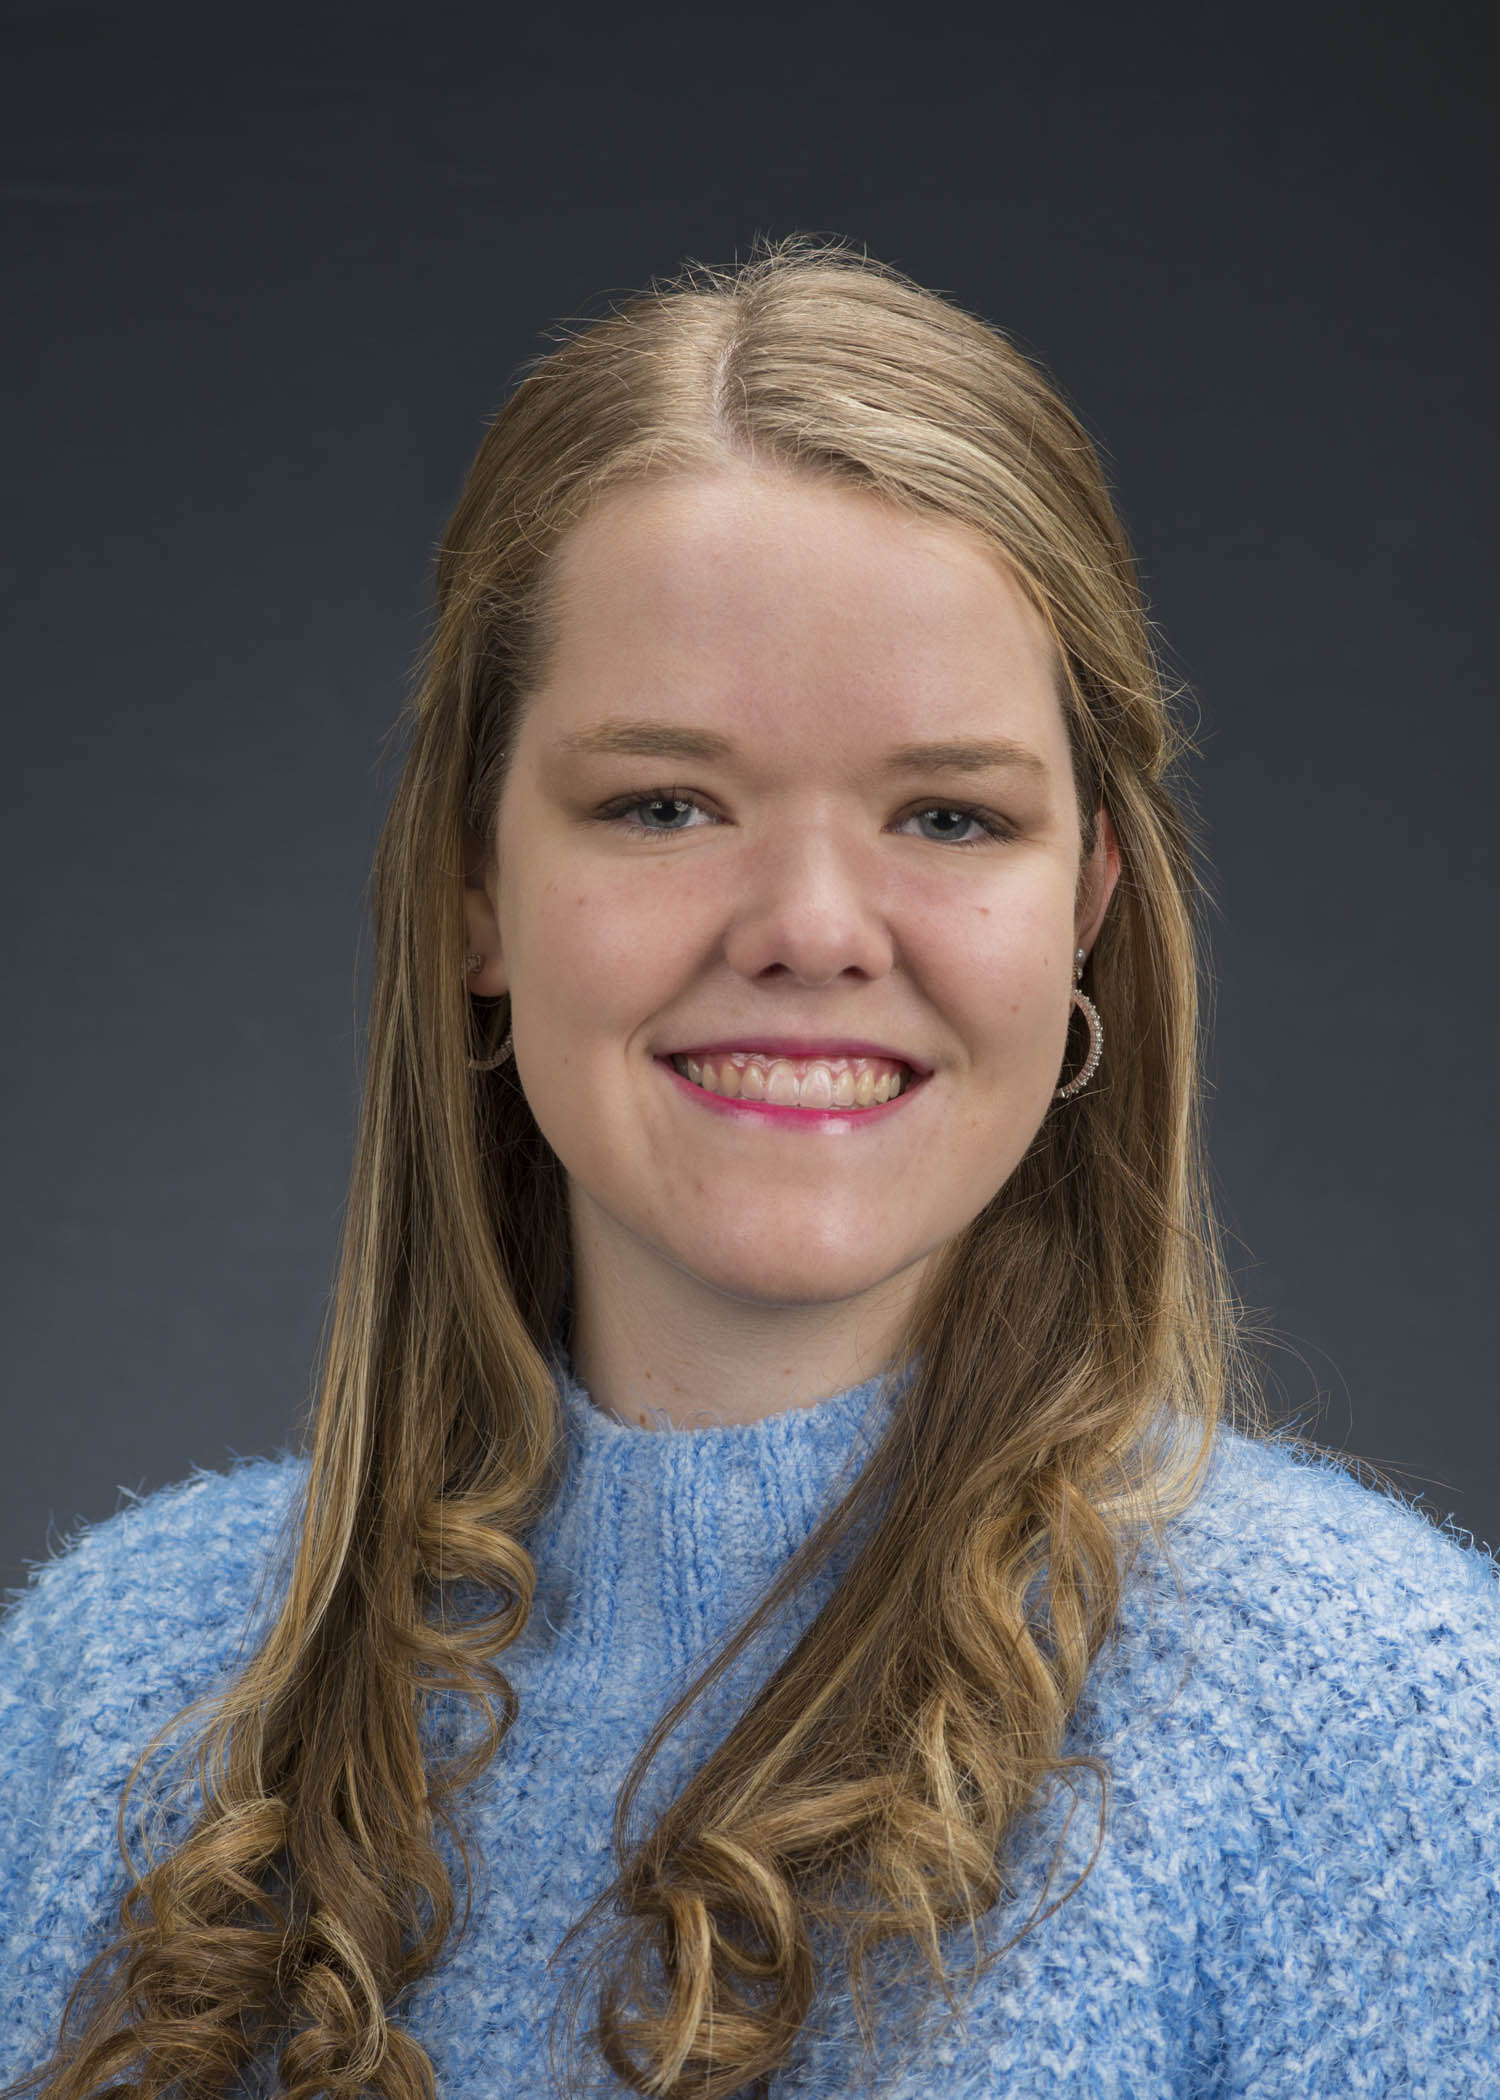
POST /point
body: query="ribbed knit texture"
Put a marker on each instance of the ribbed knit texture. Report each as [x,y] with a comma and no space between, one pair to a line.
[1297,1893]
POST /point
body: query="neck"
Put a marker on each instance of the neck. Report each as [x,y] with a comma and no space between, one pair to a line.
[657,1347]
[656,1547]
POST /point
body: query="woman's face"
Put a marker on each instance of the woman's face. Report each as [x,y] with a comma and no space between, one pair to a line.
[794,799]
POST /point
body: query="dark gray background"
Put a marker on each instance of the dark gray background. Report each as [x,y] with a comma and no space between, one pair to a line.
[269,275]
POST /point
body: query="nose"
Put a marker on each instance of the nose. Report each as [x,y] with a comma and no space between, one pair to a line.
[811,906]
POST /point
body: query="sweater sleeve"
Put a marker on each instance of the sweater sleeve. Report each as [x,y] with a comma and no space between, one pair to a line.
[34,1761]
[1353,1946]
[140,1615]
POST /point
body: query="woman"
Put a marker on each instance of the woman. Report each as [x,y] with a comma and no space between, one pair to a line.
[787,1535]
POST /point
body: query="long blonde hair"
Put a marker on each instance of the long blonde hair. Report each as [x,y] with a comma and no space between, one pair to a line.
[1068,1360]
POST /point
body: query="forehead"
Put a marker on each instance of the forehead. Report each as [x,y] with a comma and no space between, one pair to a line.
[747,583]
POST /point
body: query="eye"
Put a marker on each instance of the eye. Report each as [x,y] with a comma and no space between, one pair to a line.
[989,825]
[663,803]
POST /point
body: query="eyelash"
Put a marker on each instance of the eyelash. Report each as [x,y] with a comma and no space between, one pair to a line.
[994,827]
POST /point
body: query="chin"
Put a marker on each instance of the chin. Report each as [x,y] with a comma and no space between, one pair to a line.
[792,1275]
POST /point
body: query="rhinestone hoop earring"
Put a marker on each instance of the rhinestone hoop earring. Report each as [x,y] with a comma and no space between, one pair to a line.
[1090,1013]
[502,1055]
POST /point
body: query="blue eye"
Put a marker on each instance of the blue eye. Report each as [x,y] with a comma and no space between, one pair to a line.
[680,810]
[680,807]
[990,827]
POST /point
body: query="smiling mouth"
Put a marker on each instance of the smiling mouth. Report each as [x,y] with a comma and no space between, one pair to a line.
[824,1085]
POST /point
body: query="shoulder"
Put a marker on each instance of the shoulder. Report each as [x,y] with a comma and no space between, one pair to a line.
[155,1591]
[1295,1602]
[1321,1671]
[111,1640]
[1311,1567]
[1310,1674]
[1297,1885]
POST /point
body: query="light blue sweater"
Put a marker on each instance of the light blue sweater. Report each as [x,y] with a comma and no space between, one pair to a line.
[1297,1894]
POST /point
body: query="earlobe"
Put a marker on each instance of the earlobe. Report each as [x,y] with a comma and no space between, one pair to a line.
[490,980]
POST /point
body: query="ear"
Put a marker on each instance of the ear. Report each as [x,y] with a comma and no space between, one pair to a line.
[1096,883]
[482,931]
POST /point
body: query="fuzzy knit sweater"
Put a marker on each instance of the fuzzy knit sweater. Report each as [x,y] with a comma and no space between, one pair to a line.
[1298,1891]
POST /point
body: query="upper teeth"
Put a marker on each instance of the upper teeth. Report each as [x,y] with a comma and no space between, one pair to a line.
[836,1082]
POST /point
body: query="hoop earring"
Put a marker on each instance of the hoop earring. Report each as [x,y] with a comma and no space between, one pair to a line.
[507,1048]
[492,1064]
[1090,1012]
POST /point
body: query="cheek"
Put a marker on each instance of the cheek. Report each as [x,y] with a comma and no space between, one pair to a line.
[1000,970]
[596,957]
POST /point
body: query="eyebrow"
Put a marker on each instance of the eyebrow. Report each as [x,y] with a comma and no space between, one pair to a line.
[640,739]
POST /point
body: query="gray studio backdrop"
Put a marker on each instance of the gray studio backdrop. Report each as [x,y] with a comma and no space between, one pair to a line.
[268,279]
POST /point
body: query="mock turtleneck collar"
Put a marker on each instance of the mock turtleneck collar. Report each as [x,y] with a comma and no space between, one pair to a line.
[659,1541]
